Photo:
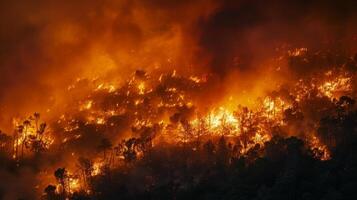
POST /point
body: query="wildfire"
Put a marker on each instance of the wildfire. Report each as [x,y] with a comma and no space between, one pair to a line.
[86,106]
[141,88]
[218,118]
[320,150]
[100,121]
[297,52]
[336,86]
[250,126]
[258,138]
[108,87]
[97,168]
[30,136]
[274,108]
[178,99]
[163,110]
[73,184]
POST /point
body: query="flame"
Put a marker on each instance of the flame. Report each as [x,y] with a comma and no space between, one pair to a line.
[100,121]
[74,184]
[274,109]
[108,87]
[297,52]
[218,118]
[29,138]
[141,88]
[86,105]
[97,168]
[337,85]
[320,150]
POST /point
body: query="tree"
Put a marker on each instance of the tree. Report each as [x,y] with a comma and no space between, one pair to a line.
[26,125]
[248,123]
[61,175]
[104,146]
[130,149]
[36,117]
[17,134]
[187,130]
[50,193]
[201,130]
[5,142]
[223,152]
[86,167]
[209,151]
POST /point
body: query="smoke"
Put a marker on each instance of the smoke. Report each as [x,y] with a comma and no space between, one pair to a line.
[247,42]
[17,186]
[243,34]
[46,45]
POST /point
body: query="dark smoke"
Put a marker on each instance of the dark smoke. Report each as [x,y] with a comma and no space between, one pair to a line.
[242,34]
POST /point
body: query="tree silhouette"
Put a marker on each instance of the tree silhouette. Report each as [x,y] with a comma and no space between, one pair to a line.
[5,142]
[26,125]
[104,146]
[86,167]
[36,117]
[129,152]
[61,175]
[50,193]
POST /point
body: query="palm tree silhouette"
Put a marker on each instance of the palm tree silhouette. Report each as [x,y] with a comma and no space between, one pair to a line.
[61,175]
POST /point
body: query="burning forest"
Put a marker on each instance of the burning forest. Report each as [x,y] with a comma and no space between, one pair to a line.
[178,100]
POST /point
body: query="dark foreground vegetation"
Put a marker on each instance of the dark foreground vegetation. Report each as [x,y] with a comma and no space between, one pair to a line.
[283,169]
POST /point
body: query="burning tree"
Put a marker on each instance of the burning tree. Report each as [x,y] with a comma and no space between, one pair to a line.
[32,136]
